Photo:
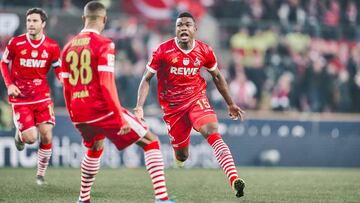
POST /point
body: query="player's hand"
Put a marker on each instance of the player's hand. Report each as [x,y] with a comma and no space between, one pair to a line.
[13,90]
[235,112]
[139,112]
[125,129]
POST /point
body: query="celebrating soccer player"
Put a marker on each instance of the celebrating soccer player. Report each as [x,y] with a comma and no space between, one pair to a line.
[94,107]
[182,96]
[31,56]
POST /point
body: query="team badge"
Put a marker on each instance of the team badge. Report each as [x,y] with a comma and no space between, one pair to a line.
[197,62]
[23,52]
[186,61]
[44,54]
[175,60]
[34,53]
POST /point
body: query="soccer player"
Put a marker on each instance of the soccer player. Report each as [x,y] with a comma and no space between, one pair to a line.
[94,107]
[182,96]
[30,57]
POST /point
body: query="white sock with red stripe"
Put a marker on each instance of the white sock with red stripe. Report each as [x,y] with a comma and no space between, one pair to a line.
[155,166]
[89,168]
[223,156]
[44,154]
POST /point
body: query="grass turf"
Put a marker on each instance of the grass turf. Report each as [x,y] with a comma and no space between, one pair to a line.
[188,185]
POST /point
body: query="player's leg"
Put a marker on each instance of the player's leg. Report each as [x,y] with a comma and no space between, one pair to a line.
[153,158]
[90,165]
[223,156]
[25,132]
[44,151]
[179,128]
[155,166]
[205,121]
[45,120]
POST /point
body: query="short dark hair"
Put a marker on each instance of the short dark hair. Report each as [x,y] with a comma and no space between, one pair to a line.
[94,6]
[186,15]
[39,11]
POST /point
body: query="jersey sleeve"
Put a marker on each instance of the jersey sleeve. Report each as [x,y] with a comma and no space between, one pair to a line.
[154,62]
[106,67]
[8,56]
[211,62]
[55,61]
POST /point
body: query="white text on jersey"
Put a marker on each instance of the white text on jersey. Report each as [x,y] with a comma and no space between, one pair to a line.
[183,70]
[32,63]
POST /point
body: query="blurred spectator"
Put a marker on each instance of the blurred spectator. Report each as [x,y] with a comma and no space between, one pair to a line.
[291,14]
[353,68]
[331,20]
[317,85]
[350,21]
[243,91]
[280,97]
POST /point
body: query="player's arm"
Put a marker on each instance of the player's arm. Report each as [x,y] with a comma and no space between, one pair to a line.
[8,55]
[65,74]
[67,94]
[56,62]
[235,111]
[108,85]
[143,91]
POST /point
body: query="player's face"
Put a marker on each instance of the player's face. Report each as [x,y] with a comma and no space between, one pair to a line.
[34,25]
[185,29]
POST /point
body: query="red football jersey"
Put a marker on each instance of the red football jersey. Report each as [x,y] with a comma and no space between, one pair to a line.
[178,72]
[30,63]
[88,62]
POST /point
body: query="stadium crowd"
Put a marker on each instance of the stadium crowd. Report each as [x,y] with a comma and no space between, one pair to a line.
[280,55]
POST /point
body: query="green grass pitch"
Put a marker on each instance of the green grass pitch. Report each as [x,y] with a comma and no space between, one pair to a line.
[188,185]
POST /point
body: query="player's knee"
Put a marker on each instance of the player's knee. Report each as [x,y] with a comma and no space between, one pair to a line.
[208,129]
[182,156]
[31,139]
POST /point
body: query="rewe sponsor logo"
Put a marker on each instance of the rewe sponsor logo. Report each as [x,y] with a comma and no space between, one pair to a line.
[183,70]
[32,63]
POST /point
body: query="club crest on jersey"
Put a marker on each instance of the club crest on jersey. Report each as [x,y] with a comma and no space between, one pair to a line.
[44,54]
[197,62]
[186,61]
[23,52]
[34,53]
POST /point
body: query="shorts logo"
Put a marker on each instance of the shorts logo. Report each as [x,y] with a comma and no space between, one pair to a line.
[186,61]
[20,125]
[34,53]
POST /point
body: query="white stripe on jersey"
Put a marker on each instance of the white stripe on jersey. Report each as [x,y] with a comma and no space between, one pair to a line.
[106,68]
[65,74]
[150,69]
[5,55]
[56,63]
[20,43]
[137,127]
[212,68]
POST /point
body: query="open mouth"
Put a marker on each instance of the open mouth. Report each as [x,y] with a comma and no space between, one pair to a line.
[184,36]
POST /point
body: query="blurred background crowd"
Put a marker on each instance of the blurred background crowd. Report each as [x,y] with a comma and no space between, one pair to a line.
[277,55]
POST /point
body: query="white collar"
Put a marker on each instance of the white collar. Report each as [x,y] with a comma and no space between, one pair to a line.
[185,51]
[90,30]
[33,45]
